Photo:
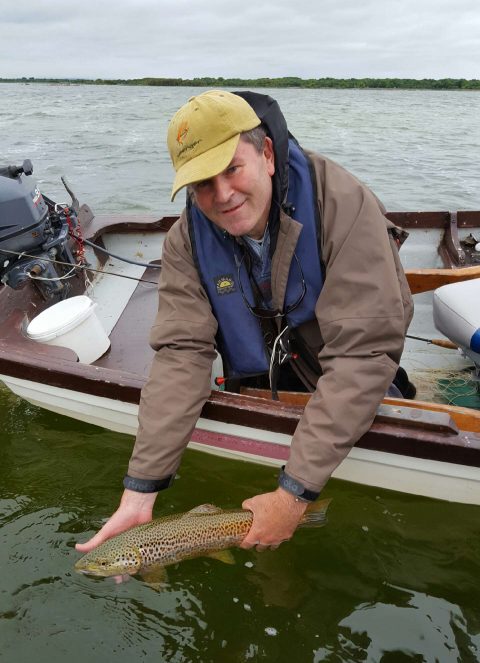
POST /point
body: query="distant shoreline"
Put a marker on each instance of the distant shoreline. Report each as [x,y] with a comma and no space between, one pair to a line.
[285,82]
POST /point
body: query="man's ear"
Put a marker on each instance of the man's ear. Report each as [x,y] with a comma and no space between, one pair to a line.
[269,155]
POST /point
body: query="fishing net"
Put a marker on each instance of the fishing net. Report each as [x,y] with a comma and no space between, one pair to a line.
[454,387]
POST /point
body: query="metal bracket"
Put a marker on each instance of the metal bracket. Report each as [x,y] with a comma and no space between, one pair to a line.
[440,422]
[450,248]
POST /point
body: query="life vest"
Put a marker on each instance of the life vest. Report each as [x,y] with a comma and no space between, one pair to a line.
[217,256]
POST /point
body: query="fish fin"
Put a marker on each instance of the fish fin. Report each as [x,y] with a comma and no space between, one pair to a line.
[203,509]
[224,556]
[315,514]
[155,577]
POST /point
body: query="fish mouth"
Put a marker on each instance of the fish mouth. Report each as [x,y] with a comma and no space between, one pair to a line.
[90,572]
[104,573]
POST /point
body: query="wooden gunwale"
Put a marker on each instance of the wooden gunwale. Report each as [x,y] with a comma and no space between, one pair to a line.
[96,226]
[408,220]
[437,219]
[465,418]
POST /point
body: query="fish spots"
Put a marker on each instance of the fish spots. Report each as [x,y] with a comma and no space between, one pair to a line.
[169,540]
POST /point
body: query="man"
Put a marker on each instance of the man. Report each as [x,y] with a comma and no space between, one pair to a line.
[280,259]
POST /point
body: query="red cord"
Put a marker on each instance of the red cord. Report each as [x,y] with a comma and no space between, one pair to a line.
[77,236]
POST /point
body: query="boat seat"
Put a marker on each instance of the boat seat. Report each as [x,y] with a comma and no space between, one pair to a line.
[456,314]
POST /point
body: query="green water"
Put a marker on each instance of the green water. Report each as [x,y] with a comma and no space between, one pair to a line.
[391,578]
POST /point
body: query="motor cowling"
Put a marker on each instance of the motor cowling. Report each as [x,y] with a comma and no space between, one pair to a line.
[34,234]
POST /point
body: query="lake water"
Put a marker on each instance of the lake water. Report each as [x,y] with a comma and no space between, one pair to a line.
[416,149]
[391,578]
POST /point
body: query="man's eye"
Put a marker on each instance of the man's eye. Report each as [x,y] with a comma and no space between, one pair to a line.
[201,185]
[232,169]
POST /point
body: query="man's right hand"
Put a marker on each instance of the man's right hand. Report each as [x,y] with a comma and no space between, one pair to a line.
[134,509]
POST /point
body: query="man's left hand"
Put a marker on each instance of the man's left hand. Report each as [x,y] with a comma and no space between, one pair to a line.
[275,519]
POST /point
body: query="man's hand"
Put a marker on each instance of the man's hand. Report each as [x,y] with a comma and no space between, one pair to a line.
[275,519]
[135,509]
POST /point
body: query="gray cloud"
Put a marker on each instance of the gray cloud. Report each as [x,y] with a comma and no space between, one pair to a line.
[187,38]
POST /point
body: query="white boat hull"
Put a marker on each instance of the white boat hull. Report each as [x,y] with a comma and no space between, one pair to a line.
[429,478]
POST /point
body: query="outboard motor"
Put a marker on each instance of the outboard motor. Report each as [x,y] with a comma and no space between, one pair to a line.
[34,234]
[456,314]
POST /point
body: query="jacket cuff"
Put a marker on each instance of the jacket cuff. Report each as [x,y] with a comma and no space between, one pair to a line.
[294,487]
[147,485]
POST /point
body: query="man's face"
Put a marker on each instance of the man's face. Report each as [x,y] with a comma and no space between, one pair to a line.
[238,199]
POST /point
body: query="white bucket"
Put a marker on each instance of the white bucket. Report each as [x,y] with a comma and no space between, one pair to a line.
[72,324]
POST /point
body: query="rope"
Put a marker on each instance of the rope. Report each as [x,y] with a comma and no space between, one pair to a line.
[82,267]
[68,275]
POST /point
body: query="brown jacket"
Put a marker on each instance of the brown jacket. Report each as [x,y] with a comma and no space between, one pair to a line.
[363,312]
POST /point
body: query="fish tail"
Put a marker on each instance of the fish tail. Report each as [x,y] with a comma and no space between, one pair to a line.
[316,514]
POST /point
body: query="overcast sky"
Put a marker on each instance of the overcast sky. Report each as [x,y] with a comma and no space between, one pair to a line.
[247,38]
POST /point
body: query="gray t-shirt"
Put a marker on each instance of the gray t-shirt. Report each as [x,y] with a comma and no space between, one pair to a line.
[261,265]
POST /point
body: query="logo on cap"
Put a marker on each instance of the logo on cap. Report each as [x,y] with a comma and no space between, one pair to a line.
[182,132]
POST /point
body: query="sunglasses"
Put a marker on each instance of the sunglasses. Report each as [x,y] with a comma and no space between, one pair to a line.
[259,312]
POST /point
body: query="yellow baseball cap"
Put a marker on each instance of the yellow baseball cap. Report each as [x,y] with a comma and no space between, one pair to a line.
[204,133]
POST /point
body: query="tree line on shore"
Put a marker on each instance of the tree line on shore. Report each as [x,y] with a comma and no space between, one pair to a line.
[283,82]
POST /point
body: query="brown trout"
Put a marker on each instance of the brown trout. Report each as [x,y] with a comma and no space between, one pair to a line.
[206,530]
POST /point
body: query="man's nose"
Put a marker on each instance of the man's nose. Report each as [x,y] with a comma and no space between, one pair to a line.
[222,189]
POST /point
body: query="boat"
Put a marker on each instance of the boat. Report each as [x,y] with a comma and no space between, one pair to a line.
[421,447]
